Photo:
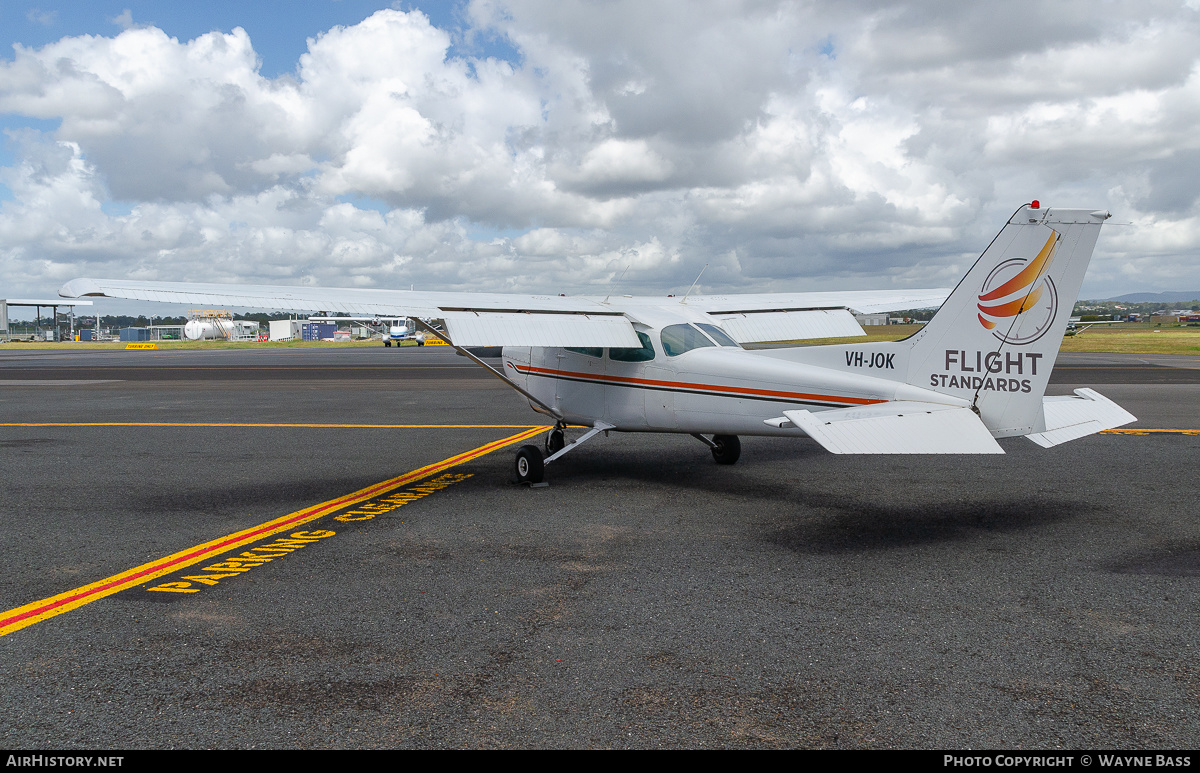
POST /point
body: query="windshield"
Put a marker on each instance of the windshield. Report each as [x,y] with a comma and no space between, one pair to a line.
[717,334]
[677,339]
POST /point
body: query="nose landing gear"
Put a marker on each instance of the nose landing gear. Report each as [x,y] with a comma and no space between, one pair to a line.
[726,449]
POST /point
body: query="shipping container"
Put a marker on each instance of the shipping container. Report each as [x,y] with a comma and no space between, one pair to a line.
[316,331]
[284,329]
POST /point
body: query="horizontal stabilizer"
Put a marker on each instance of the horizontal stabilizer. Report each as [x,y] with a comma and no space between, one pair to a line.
[1069,418]
[490,328]
[898,427]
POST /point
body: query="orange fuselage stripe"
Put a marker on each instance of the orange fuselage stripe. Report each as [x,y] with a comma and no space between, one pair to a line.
[728,391]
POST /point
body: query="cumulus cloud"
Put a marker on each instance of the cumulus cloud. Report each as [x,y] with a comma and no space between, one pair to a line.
[788,145]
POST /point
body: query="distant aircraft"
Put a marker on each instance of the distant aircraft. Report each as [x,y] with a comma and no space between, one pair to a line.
[396,330]
[1077,328]
[976,372]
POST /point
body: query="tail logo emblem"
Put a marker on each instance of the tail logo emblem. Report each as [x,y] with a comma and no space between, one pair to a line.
[1018,301]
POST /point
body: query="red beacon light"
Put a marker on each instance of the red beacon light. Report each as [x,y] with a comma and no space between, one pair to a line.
[1035,204]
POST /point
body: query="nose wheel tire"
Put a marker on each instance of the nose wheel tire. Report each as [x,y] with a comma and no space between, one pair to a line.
[530,466]
[726,449]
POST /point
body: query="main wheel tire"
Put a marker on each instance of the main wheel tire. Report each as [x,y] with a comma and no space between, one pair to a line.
[555,441]
[387,343]
[727,449]
[530,466]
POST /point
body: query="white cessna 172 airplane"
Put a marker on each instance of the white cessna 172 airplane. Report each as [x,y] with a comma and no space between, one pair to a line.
[976,372]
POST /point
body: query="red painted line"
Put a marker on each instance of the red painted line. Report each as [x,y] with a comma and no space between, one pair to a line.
[272,526]
[211,548]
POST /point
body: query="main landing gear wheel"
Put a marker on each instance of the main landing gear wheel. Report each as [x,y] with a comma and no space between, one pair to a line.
[555,441]
[530,465]
[726,448]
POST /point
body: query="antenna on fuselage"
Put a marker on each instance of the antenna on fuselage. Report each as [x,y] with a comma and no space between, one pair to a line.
[693,287]
[622,276]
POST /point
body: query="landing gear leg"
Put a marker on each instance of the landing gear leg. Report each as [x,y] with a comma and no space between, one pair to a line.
[531,465]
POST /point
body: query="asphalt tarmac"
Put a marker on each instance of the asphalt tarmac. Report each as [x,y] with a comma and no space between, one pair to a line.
[646,598]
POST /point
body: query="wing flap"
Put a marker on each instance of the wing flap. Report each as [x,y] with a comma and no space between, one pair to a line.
[755,326]
[898,427]
[481,328]
[862,301]
[1070,418]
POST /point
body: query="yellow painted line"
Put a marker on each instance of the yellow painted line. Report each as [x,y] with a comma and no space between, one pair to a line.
[238,424]
[1149,431]
[20,617]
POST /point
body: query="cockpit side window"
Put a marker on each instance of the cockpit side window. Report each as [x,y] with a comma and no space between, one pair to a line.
[717,334]
[677,339]
[644,354]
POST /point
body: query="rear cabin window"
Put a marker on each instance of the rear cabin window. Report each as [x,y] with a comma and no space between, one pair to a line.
[644,354]
[590,351]
[677,339]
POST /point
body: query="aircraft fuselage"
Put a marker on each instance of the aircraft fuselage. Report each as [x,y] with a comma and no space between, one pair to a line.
[724,390]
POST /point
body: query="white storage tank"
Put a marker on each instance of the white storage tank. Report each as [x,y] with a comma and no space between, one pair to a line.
[208,328]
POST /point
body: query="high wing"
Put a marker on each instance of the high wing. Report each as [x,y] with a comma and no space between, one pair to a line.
[498,319]
[792,316]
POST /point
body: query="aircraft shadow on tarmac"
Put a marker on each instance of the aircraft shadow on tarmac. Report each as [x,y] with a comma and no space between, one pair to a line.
[807,514]
[856,526]
[1176,560]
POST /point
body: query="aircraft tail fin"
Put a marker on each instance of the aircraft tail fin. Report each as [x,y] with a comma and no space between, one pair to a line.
[989,349]
[995,339]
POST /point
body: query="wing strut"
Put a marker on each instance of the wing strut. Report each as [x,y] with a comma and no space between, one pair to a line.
[429,329]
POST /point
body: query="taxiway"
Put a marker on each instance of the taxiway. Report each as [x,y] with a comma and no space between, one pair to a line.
[646,598]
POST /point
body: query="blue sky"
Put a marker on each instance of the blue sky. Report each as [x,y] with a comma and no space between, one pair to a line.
[278,28]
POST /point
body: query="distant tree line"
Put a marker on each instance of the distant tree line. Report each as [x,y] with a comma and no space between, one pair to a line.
[126,320]
[1108,308]
[1096,310]
[916,315]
